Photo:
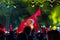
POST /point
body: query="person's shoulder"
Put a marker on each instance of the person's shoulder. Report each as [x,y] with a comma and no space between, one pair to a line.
[22,34]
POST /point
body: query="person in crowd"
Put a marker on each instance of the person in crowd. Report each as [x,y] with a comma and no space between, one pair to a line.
[10,36]
[33,34]
[2,32]
[40,36]
[2,36]
[25,34]
[53,35]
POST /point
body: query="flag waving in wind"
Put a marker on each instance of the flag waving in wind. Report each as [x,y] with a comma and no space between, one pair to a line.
[31,21]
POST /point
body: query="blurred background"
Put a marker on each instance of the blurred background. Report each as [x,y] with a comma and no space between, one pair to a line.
[13,12]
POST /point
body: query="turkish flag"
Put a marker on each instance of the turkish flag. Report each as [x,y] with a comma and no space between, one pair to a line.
[31,21]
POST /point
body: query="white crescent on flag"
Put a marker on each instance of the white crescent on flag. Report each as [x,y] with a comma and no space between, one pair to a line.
[29,21]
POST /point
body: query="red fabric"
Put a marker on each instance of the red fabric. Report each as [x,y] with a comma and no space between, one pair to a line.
[10,27]
[42,30]
[3,29]
[33,19]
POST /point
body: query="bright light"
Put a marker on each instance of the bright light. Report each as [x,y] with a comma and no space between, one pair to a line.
[8,6]
[33,5]
[38,31]
[32,27]
[43,26]
[41,5]
[50,26]
[58,28]
[54,28]
[14,6]
[6,31]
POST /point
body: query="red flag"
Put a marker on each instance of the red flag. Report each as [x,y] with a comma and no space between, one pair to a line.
[31,21]
[10,27]
[2,28]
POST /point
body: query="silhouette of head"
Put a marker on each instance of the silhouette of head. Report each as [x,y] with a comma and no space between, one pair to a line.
[27,29]
[53,35]
[1,26]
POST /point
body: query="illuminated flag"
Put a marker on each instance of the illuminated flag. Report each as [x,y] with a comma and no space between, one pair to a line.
[31,21]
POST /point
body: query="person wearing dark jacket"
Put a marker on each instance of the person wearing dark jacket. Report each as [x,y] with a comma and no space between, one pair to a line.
[25,34]
[53,35]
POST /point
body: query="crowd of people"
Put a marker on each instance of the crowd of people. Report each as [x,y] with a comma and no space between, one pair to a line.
[29,34]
